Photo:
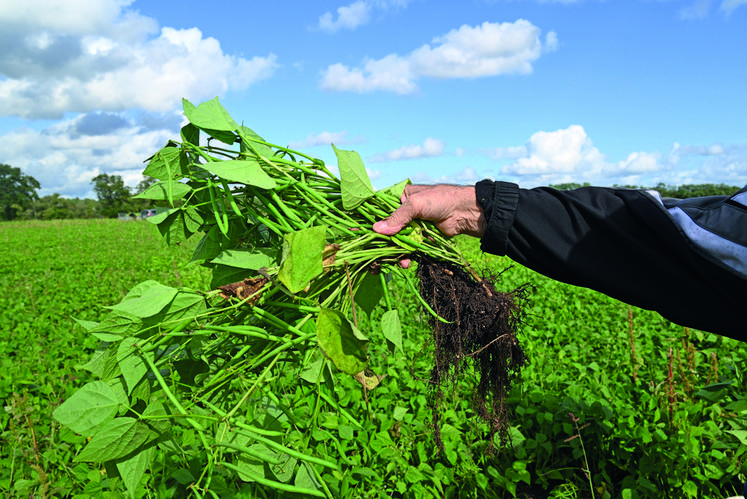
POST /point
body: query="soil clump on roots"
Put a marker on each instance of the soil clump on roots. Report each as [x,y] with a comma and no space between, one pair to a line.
[482,327]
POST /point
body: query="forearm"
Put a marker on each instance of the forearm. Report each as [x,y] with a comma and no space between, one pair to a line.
[615,241]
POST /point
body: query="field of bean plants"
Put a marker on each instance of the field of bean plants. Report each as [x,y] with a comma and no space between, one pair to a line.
[259,339]
[614,402]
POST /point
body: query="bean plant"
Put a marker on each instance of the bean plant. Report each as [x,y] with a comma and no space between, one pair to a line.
[294,262]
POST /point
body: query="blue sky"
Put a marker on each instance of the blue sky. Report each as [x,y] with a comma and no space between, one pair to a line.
[531,91]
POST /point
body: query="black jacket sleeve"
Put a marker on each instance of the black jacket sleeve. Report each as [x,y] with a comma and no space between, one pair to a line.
[621,242]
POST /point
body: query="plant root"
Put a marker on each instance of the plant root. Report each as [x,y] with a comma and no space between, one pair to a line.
[482,327]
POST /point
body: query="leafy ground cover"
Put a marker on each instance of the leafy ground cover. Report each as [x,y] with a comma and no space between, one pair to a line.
[614,402]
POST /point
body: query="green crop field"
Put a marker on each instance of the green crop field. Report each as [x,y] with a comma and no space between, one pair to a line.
[614,402]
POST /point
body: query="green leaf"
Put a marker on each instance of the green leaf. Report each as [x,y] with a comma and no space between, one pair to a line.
[396,190]
[354,182]
[208,247]
[116,325]
[186,304]
[133,467]
[160,191]
[209,115]
[248,172]
[251,142]
[183,476]
[146,299]
[369,293]
[114,440]
[191,134]
[306,479]
[740,434]
[92,405]
[341,342]
[177,224]
[284,470]
[192,220]
[737,406]
[302,257]
[248,259]
[414,475]
[188,369]
[313,371]
[103,363]
[399,413]
[392,329]
[131,363]
[223,274]
[87,325]
[165,164]
[253,464]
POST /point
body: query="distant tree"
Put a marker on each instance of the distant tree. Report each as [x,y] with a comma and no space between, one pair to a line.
[569,186]
[144,184]
[114,196]
[56,207]
[17,191]
[695,190]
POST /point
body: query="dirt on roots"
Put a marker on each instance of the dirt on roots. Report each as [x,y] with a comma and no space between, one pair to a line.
[482,326]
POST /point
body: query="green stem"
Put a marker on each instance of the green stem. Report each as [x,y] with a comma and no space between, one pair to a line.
[273,484]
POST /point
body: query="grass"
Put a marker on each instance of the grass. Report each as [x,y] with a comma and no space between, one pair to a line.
[592,417]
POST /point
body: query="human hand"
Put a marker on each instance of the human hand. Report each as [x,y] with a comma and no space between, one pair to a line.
[452,208]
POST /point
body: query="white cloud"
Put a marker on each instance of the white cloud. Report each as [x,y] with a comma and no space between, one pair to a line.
[321,139]
[392,73]
[728,6]
[348,17]
[562,151]
[640,162]
[697,10]
[96,55]
[356,14]
[67,155]
[429,148]
[569,155]
[679,151]
[76,17]
[467,52]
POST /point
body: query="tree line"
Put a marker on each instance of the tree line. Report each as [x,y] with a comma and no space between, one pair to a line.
[20,201]
[668,191]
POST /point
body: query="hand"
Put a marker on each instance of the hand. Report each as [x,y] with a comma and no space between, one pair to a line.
[452,208]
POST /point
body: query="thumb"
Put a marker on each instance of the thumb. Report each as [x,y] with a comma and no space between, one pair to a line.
[395,222]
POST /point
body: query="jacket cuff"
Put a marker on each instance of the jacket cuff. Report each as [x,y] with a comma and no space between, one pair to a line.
[498,201]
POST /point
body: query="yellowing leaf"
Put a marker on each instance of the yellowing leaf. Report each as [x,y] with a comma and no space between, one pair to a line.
[341,342]
[302,257]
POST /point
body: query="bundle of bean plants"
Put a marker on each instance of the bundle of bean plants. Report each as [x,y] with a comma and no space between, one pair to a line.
[295,263]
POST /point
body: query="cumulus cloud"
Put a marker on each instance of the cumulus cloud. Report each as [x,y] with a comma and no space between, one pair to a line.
[64,157]
[467,52]
[348,17]
[428,149]
[356,14]
[84,55]
[323,139]
[569,155]
[561,151]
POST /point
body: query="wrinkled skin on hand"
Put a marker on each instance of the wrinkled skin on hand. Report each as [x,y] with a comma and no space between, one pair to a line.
[452,208]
